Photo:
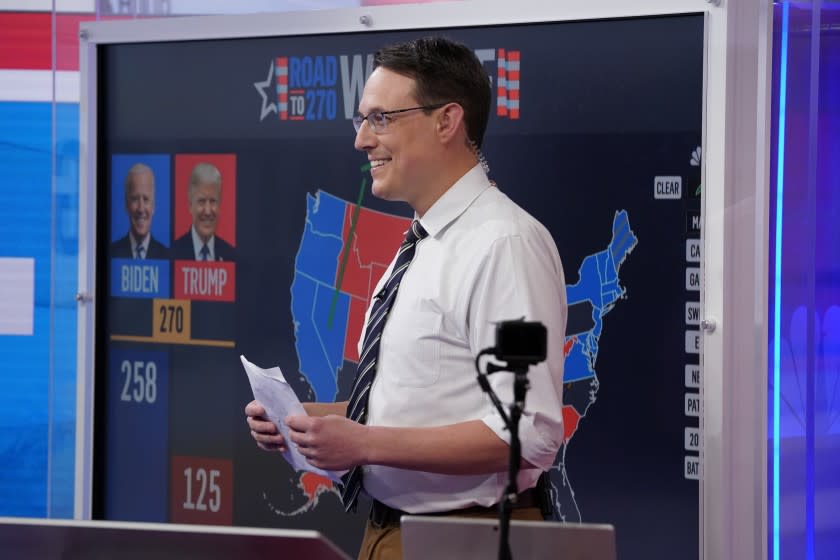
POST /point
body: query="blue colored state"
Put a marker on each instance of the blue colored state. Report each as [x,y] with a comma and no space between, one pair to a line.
[318,256]
[599,284]
[331,323]
[577,364]
[326,213]
[623,238]
[588,286]
[322,243]
[319,346]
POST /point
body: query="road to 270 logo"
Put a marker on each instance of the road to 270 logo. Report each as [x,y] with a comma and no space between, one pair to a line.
[318,88]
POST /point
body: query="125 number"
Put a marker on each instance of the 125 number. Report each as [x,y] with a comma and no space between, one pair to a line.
[207,483]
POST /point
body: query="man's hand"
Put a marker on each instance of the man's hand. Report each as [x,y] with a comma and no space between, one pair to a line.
[329,442]
[263,431]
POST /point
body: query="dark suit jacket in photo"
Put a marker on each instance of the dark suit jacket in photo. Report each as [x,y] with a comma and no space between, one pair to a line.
[121,249]
[182,248]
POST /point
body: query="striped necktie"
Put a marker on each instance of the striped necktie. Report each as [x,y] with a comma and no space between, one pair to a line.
[366,370]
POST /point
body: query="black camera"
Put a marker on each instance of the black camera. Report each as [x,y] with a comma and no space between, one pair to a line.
[520,342]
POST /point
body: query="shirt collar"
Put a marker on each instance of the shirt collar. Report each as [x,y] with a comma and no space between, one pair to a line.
[455,200]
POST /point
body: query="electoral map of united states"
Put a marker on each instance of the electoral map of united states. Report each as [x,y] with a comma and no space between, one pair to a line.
[344,250]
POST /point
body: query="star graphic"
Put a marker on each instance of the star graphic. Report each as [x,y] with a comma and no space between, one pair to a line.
[267,106]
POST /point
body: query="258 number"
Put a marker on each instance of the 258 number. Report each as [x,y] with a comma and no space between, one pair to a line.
[140,383]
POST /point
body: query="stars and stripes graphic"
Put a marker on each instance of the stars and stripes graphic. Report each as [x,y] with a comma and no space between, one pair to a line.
[507,86]
[281,74]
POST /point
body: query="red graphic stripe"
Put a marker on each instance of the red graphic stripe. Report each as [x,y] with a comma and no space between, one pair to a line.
[501,91]
[67,39]
[26,40]
[513,76]
[282,82]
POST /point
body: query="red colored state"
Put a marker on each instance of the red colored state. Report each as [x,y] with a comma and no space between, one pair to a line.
[571,419]
[355,322]
[313,485]
[568,345]
[375,242]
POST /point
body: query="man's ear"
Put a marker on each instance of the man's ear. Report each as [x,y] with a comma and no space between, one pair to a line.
[449,122]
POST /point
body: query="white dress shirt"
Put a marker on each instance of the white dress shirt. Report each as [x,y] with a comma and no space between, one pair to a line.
[485,260]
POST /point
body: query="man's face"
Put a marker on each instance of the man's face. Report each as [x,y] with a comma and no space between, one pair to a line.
[400,155]
[140,203]
[204,207]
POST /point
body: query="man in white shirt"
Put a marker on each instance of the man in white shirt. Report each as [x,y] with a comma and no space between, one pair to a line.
[430,441]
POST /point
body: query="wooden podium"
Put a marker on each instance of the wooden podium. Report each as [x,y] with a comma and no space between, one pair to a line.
[51,539]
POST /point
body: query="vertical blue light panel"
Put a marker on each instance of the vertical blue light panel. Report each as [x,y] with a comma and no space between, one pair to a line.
[25,231]
[777,279]
[65,247]
[805,370]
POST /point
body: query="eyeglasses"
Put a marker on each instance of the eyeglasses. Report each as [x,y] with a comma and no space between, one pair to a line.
[378,120]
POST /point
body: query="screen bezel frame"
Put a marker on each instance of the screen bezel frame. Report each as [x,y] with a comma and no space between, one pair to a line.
[716,485]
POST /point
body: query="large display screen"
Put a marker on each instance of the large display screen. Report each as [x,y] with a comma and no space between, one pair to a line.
[247,143]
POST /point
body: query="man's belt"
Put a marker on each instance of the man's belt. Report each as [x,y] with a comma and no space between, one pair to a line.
[382,515]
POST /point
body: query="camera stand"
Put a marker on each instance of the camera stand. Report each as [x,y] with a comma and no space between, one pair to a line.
[519,344]
[520,387]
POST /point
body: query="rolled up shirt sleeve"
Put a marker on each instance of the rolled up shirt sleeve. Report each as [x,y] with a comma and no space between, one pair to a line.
[522,278]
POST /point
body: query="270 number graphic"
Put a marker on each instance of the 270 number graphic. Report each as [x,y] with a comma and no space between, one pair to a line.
[314,104]
[172,321]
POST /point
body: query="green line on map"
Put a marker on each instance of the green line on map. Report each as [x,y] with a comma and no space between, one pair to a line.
[346,255]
